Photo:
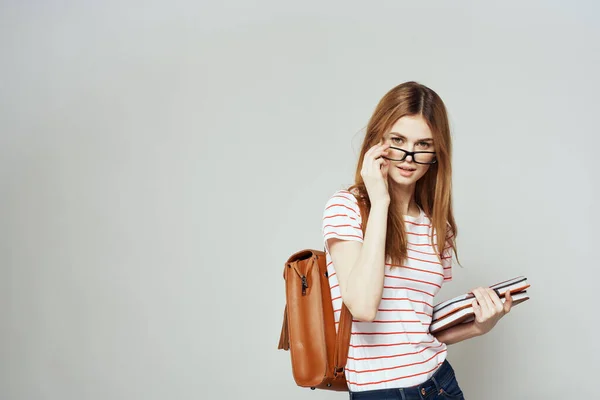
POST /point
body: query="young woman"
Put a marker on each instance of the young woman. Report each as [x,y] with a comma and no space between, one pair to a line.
[389,243]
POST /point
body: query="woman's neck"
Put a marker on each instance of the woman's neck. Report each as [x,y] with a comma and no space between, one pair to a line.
[404,201]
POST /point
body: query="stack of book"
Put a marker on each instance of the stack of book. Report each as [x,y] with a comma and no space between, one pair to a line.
[459,309]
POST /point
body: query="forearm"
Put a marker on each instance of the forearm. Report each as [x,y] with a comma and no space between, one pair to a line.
[457,333]
[367,274]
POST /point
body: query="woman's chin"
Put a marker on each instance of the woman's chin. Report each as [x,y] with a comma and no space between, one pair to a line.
[403,181]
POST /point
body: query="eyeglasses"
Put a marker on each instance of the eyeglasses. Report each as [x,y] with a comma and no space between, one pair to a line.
[419,157]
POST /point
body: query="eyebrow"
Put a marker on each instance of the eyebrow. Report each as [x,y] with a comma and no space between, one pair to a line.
[418,140]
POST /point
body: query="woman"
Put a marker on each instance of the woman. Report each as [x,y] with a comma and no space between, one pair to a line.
[385,260]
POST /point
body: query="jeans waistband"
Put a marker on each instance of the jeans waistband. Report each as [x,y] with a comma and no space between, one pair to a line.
[440,378]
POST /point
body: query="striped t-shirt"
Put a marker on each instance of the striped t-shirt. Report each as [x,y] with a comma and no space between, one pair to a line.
[396,349]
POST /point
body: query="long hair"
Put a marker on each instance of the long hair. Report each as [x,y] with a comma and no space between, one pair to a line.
[433,192]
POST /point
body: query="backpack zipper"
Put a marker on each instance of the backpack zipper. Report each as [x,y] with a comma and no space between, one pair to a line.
[304,281]
[304,285]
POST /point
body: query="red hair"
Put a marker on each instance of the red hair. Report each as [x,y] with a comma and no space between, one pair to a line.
[433,192]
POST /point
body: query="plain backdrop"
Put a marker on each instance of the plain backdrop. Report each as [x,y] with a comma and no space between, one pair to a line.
[159,161]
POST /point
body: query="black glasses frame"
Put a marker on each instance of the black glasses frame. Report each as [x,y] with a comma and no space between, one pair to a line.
[412,154]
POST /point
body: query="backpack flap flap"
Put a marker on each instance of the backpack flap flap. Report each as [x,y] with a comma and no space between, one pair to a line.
[307,343]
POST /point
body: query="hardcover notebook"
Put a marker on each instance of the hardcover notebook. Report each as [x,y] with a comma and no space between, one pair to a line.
[459,310]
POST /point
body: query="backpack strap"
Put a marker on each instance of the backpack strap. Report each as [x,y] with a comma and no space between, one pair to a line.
[342,339]
[342,342]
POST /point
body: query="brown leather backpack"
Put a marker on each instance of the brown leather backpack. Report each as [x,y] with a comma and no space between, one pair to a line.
[318,354]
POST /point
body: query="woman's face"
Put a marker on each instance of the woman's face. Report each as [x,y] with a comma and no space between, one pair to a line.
[409,133]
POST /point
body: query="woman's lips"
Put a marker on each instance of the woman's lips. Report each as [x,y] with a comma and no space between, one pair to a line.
[406,172]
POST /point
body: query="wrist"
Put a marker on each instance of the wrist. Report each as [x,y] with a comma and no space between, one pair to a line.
[477,331]
[381,203]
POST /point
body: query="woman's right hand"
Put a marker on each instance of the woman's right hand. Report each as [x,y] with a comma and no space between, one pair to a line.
[375,172]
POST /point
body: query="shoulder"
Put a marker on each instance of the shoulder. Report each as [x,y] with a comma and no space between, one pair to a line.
[345,195]
[344,199]
[341,217]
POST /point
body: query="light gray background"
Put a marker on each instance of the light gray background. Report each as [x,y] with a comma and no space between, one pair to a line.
[160,160]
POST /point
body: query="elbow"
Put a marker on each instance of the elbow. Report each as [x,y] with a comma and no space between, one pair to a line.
[367,317]
[361,307]
[363,314]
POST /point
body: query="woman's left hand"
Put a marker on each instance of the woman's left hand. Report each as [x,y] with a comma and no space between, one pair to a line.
[489,309]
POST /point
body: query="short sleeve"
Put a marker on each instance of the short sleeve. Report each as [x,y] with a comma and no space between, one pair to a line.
[447,256]
[341,218]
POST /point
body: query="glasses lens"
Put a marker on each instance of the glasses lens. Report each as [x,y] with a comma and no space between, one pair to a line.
[396,154]
[424,158]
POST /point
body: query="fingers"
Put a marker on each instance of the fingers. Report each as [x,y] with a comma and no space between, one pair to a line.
[372,149]
[508,302]
[370,164]
[488,307]
[384,172]
[373,159]
[377,150]
[484,302]
[496,302]
[374,171]
[385,168]
[489,302]
[477,310]
[478,305]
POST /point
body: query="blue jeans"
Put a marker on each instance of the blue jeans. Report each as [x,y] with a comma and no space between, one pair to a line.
[442,385]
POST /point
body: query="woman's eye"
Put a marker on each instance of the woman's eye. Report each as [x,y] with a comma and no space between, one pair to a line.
[396,140]
[424,144]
